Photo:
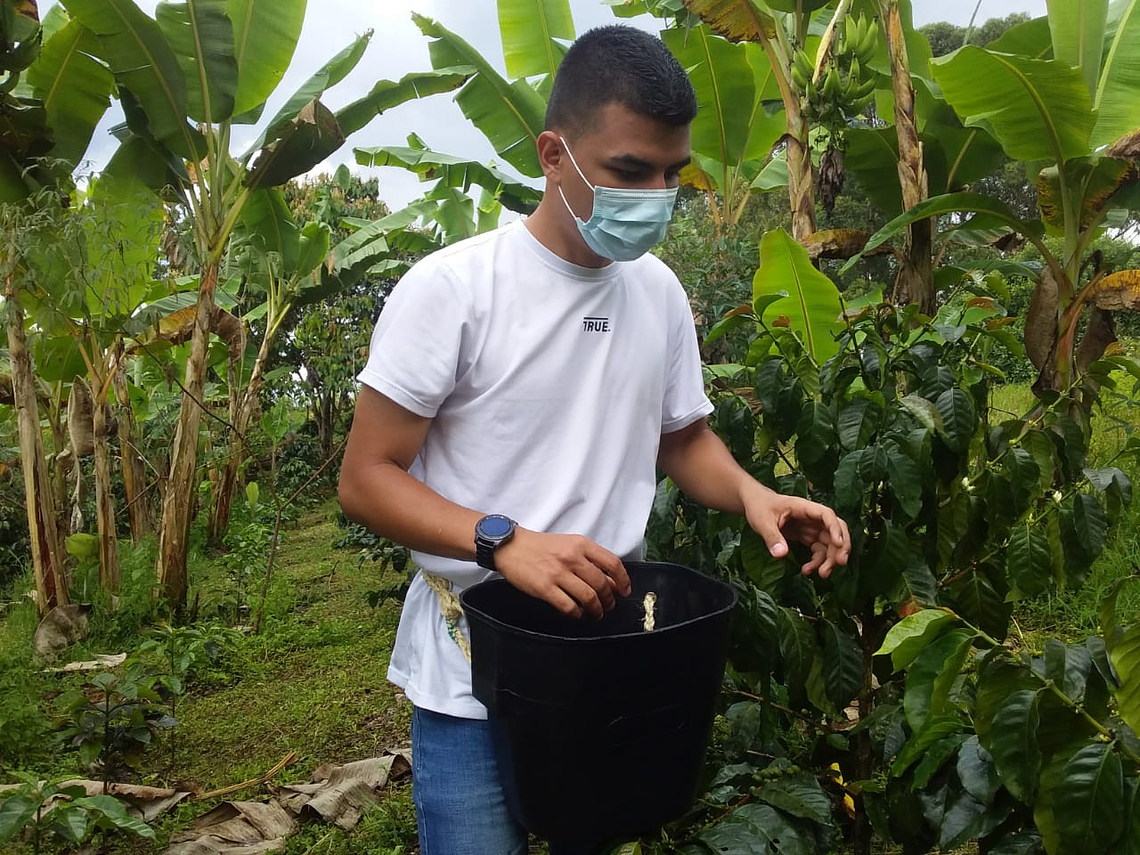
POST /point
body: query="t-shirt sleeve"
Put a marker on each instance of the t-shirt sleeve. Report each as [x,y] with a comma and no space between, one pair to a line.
[415,355]
[685,398]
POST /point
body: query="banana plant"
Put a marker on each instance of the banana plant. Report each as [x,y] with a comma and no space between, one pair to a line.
[1058,104]
[210,66]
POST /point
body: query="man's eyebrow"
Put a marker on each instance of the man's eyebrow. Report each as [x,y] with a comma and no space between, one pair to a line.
[632,161]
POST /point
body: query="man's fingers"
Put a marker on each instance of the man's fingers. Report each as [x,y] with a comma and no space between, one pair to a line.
[583,594]
[769,529]
[610,565]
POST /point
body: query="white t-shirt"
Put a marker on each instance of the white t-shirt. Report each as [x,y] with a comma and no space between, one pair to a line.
[549,386]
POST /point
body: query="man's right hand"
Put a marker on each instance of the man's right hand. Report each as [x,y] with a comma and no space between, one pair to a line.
[569,571]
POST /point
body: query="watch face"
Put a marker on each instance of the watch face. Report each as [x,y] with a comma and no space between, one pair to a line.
[494,526]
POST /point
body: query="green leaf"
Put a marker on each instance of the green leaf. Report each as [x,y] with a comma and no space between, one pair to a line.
[70,821]
[529,29]
[1126,660]
[977,772]
[857,422]
[1078,28]
[141,59]
[935,757]
[951,203]
[510,115]
[923,410]
[265,38]
[202,36]
[959,418]
[15,812]
[1068,666]
[797,649]
[313,248]
[799,795]
[1118,109]
[82,546]
[1089,523]
[116,813]
[842,665]
[755,829]
[267,227]
[387,94]
[296,147]
[935,730]
[726,90]
[913,634]
[918,583]
[452,171]
[1089,800]
[904,480]
[931,676]
[1039,110]
[976,600]
[74,87]
[813,306]
[1016,753]
[1029,560]
[329,75]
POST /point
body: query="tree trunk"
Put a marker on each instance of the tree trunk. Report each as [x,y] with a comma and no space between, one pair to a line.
[801,187]
[104,501]
[47,552]
[915,282]
[139,507]
[181,486]
[58,472]
[241,414]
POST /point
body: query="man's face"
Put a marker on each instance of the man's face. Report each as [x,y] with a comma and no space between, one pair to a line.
[622,149]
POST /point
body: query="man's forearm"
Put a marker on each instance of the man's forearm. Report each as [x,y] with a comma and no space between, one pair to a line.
[704,469]
[387,500]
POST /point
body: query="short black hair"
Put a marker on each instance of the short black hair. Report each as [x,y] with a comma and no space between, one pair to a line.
[619,65]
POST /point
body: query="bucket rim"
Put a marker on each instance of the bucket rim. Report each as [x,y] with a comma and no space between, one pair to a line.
[734,598]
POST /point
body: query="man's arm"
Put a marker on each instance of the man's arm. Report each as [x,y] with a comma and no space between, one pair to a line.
[698,462]
[572,573]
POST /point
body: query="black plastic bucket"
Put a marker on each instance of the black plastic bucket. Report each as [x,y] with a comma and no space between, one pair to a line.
[605,724]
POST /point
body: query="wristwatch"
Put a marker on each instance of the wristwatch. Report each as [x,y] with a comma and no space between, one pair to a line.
[491,532]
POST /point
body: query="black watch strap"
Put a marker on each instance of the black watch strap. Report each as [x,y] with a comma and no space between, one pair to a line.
[491,532]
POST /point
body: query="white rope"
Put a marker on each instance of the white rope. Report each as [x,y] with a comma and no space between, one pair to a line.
[450,608]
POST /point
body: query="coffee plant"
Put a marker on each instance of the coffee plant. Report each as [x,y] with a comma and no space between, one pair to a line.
[956,511]
[45,811]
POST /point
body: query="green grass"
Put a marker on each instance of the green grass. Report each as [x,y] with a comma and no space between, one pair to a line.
[313,682]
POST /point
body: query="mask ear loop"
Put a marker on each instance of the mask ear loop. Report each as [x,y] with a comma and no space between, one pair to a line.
[582,175]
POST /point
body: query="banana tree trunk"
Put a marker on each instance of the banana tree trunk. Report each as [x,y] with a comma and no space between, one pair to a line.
[241,414]
[801,186]
[139,508]
[47,552]
[181,486]
[109,572]
[59,468]
[915,282]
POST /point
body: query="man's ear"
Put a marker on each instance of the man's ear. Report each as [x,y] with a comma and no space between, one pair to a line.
[551,155]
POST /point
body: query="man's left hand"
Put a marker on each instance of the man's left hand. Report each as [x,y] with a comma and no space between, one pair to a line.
[778,519]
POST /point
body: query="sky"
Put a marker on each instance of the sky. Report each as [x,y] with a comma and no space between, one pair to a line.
[398,47]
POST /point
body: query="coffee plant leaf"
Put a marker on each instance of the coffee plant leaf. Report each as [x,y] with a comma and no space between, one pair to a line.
[1126,662]
[910,636]
[1029,561]
[1089,800]
[1016,753]
[931,676]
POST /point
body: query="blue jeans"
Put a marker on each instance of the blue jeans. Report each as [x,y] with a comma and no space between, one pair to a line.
[460,792]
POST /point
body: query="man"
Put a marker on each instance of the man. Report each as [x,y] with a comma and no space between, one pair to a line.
[522,388]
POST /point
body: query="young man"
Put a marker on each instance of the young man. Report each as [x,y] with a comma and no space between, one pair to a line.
[522,389]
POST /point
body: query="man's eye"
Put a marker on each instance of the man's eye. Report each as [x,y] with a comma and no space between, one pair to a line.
[627,174]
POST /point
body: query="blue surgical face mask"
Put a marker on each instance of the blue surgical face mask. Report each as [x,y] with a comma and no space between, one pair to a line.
[625,224]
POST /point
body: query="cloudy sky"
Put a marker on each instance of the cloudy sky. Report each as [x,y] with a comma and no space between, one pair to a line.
[398,47]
